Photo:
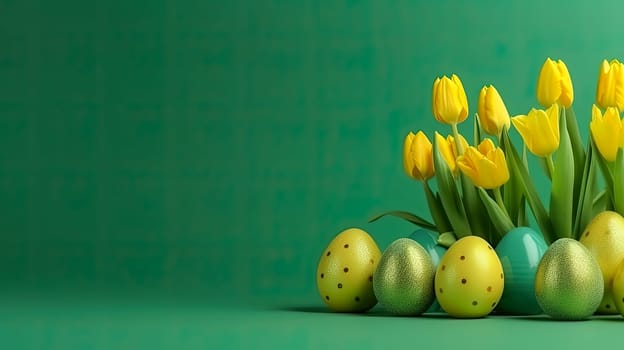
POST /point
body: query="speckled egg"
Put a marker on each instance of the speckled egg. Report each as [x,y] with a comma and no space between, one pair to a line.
[403,281]
[469,280]
[604,237]
[568,282]
[344,276]
[429,240]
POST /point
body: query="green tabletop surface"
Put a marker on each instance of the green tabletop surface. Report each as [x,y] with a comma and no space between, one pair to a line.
[172,170]
[66,321]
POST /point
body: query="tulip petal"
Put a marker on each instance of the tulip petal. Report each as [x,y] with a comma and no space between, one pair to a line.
[492,112]
[487,172]
[567,92]
[408,160]
[548,84]
[606,131]
[449,101]
[539,130]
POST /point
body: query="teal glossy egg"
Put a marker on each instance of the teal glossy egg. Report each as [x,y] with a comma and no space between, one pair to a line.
[520,252]
[429,240]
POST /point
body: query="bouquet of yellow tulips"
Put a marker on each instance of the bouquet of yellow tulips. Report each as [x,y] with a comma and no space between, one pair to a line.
[483,187]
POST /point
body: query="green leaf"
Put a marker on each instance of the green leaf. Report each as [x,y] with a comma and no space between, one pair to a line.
[523,220]
[474,208]
[543,163]
[604,167]
[477,130]
[449,195]
[522,217]
[414,219]
[562,190]
[512,196]
[618,186]
[518,169]
[601,202]
[606,171]
[578,152]
[584,210]
[446,239]
[437,211]
[500,220]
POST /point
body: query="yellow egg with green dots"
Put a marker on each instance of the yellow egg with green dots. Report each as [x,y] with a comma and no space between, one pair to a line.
[604,237]
[469,279]
[344,276]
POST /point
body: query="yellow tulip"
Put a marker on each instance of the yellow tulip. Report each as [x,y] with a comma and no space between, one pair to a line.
[450,104]
[448,148]
[610,90]
[607,131]
[485,165]
[539,130]
[493,115]
[554,84]
[418,156]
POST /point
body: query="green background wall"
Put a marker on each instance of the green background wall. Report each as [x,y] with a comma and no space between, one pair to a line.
[215,148]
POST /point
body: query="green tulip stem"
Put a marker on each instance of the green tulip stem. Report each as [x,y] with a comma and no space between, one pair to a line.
[499,200]
[460,147]
[551,166]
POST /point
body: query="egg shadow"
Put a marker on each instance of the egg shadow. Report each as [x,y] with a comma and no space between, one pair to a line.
[306,309]
[376,311]
[546,318]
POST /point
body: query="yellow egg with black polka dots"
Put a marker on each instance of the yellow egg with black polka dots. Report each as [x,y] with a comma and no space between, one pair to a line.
[469,279]
[344,276]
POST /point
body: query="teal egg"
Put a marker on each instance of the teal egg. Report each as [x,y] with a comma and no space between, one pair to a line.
[520,252]
[429,240]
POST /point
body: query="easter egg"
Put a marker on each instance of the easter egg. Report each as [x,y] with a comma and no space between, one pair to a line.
[520,252]
[429,240]
[344,276]
[618,288]
[568,282]
[604,237]
[403,280]
[469,279]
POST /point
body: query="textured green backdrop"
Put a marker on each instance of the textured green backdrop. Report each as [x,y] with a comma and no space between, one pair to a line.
[215,147]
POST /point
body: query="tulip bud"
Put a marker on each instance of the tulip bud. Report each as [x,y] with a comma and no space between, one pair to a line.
[418,156]
[493,115]
[610,90]
[554,84]
[607,132]
[450,105]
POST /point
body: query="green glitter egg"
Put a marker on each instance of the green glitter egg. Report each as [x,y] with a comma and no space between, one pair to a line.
[568,283]
[403,280]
